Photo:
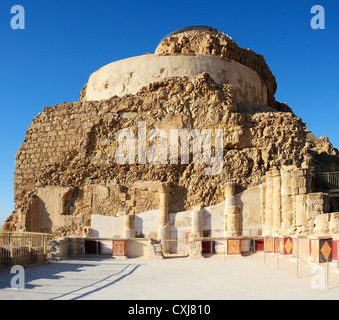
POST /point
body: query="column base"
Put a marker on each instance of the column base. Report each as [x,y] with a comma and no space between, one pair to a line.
[195,246]
[155,251]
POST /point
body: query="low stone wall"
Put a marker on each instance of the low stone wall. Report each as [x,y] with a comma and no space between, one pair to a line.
[74,247]
[63,248]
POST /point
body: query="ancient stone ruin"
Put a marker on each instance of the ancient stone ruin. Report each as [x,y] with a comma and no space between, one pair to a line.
[106,166]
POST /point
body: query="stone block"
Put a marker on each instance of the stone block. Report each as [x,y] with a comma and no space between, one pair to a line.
[334,223]
[302,190]
[299,172]
[315,196]
[298,182]
[321,224]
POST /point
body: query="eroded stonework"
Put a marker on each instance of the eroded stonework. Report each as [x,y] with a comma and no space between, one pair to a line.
[66,169]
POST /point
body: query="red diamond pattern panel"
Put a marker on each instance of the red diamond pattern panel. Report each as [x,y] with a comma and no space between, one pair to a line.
[119,248]
[286,245]
[325,250]
[321,250]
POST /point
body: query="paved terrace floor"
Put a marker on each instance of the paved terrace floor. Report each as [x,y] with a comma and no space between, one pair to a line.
[219,277]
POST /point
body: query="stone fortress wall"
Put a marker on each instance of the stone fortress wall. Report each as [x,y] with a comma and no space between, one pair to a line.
[67,180]
[68,156]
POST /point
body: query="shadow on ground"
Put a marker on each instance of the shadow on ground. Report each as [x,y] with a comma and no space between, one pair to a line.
[55,271]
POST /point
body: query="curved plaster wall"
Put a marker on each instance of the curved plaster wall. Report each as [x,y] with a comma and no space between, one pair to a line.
[128,76]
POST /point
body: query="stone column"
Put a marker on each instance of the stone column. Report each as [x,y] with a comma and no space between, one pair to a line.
[286,200]
[233,221]
[276,205]
[230,189]
[195,243]
[263,205]
[129,231]
[299,181]
[163,228]
[301,214]
[299,185]
[196,222]
[268,219]
[195,246]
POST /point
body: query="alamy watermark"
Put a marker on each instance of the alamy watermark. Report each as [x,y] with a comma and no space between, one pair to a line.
[18,281]
[163,147]
[319,280]
[318,20]
[18,20]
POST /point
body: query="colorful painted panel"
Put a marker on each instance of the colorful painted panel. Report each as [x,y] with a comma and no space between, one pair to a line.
[276,244]
[281,245]
[259,244]
[119,248]
[295,247]
[321,250]
[314,247]
[325,250]
[233,246]
[335,250]
[269,244]
[286,246]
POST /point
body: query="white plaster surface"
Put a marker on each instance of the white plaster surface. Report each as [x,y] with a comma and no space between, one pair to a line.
[217,278]
[249,203]
[130,75]
[146,223]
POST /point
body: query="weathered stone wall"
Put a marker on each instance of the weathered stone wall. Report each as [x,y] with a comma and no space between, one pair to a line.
[72,147]
[204,42]
[65,209]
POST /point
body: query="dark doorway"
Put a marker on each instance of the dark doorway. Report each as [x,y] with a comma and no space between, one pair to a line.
[92,247]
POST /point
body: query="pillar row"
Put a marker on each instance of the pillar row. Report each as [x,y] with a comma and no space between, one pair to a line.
[163,228]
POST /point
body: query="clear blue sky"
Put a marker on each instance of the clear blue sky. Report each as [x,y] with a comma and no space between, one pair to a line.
[66,40]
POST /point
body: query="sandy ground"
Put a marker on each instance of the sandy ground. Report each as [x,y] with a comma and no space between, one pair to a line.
[219,277]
